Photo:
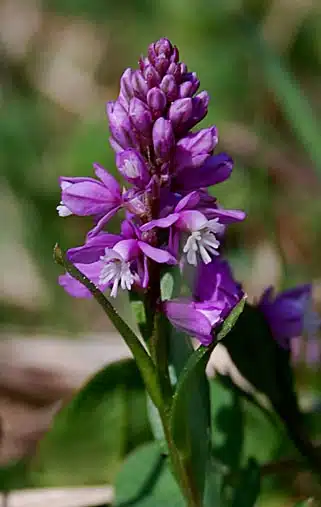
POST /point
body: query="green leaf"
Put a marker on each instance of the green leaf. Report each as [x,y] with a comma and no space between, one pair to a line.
[248,489]
[227,423]
[91,435]
[138,309]
[261,360]
[240,425]
[170,283]
[146,480]
[156,425]
[190,414]
[231,319]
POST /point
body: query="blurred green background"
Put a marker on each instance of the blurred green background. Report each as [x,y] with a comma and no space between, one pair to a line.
[61,60]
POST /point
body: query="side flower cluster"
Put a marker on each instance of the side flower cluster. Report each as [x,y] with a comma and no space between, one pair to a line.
[291,318]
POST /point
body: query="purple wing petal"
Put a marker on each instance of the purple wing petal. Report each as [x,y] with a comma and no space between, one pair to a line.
[75,288]
[189,201]
[185,317]
[93,248]
[157,254]
[226,216]
[88,198]
[127,248]
[215,169]
[163,223]
[108,180]
[102,222]
[191,220]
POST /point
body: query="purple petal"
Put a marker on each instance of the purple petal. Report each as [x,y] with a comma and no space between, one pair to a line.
[108,180]
[189,201]
[128,229]
[163,223]
[115,146]
[215,169]
[191,220]
[75,288]
[133,168]
[157,254]
[127,248]
[89,198]
[203,141]
[102,222]
[187,318]
[226,216]
[92,250]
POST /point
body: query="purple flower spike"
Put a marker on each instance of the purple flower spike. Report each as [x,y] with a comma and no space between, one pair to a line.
[169,168]
[289,314]
[216,294]
[132,166]
[163,139]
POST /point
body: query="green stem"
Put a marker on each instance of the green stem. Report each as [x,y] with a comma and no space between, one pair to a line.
[144,362]
[180,466]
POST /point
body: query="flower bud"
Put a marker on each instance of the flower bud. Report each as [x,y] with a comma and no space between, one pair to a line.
[139,85]
[163,139]
[161,65]
[140,116]
[133,167]
[169,87]
[185,90]
[180,113]
[175,55]
[152,76]
[174,70]
[156,99]
[126,90]
[163,47]
[119,125]
[134,202]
